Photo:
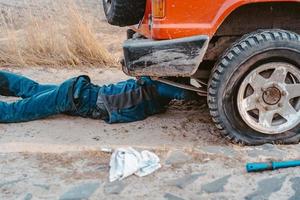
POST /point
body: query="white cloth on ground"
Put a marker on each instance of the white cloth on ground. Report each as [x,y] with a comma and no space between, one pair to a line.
[127,161]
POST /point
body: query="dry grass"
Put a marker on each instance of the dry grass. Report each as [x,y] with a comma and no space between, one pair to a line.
[57,35]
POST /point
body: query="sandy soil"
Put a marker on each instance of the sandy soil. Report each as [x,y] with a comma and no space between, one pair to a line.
[45,159]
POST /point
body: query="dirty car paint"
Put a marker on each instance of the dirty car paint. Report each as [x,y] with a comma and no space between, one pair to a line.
[179,57]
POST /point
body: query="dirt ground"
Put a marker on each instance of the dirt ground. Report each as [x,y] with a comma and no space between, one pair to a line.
[61,157]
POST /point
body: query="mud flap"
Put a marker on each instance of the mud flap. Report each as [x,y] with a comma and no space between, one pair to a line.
[177,57]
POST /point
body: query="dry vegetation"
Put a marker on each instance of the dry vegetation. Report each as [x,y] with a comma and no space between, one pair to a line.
[57,35]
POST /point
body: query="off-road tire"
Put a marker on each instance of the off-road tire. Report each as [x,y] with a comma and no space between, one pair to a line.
[124,12]
[252,49]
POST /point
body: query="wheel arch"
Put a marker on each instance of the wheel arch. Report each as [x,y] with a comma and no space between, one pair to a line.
[244,18]
[247,10]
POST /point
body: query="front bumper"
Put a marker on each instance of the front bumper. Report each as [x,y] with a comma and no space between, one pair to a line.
[177,57]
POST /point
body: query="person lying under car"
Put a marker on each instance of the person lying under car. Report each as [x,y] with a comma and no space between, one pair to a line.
[126,101]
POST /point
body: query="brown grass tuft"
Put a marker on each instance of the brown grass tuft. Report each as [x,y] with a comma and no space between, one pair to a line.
[57,35]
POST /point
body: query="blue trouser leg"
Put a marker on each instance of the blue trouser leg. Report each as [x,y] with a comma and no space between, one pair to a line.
[40,105]
[20,86]
[172,92]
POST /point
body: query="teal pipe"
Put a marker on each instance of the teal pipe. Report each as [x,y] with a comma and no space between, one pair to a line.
[257,167]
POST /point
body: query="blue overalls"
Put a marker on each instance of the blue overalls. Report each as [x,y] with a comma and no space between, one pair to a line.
[126,101]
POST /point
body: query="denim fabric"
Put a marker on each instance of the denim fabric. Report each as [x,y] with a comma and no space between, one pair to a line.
[85,98]
[126,101]
[172,92]
[133,100]
[39,101]
[20,86]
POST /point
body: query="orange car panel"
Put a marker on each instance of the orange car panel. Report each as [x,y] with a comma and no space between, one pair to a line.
[191,17]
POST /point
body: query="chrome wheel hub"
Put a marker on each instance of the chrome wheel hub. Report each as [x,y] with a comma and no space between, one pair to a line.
[269,98]
[271,95]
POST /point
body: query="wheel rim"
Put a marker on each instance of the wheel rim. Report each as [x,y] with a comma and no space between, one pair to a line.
[269,98]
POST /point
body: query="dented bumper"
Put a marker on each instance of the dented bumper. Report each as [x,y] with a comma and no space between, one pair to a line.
[177,57]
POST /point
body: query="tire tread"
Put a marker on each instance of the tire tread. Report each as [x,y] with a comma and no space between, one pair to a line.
[125,13]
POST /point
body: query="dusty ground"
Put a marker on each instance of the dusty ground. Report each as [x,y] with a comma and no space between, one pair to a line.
[61,158]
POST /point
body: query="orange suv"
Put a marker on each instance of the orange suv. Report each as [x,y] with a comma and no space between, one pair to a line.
[244,55]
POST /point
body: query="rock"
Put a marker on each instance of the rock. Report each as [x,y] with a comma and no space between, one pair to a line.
[268,147]
[170,196]
[220,198]
[102,167]
[115,187]
[266,187]
[227,151]
[186,180]
[44,186]
[177,157]
[296,187]
[296,147]
[11,182]
[28,196]
[82,191]
[216,186]
[267,150]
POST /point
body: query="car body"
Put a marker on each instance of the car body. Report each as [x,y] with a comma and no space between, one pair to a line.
[244,55]
[208,20]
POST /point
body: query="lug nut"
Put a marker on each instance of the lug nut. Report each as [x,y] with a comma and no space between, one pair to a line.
[280,105]
[283,93]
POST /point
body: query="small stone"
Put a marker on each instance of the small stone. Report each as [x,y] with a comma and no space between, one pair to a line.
[97,138]
[296,187]
[216,186]
[177,157]
[266,187]
[267,150]
[186,180]
[170,196]
[102,167]
[82,191]
[221,198]
[11,182]
[115,187]
[44,186]
[227,151]
[297,147]
[268,147]
[28,196]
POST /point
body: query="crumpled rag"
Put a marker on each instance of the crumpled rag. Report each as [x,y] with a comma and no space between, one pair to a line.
[127,161]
